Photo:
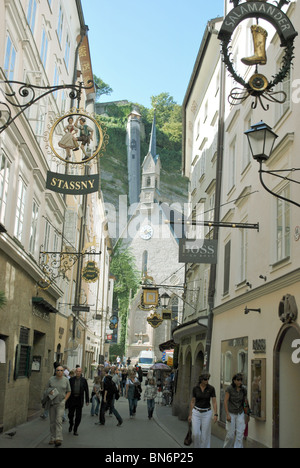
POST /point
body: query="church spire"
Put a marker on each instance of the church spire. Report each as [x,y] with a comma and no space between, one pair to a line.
[151,168]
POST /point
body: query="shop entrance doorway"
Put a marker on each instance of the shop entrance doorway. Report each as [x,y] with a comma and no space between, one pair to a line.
[286,414]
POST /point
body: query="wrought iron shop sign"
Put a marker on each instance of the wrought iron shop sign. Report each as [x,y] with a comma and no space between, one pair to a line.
[72,185]
[155,320]
[258,86]
[90,272]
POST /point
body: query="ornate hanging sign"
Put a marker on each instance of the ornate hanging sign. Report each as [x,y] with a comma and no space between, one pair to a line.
[258,86]
[155,320]
[90,272]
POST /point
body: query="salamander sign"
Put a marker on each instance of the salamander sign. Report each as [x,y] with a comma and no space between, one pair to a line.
[259,86]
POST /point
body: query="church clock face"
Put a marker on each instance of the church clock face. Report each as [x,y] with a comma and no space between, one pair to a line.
[146,232]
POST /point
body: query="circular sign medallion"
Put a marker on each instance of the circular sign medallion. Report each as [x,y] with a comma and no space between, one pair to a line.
[75,133]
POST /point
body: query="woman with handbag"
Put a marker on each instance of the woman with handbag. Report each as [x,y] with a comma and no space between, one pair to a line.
[237,412]
[204,395]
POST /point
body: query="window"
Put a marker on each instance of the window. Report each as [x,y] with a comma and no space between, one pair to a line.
[56,80]
[243,256]
[145,263]
[67,51]
[246,146]
[227,267]
[9,60]
[31,14]
[4,183]
[20,213]
[232,165]
[60,24]
[33,230]
[258,389]
[283,226]
[44,48]
[23,355]
[47,236]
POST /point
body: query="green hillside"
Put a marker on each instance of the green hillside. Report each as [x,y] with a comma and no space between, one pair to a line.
[114,177]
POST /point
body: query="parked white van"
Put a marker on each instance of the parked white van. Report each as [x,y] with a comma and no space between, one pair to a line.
[146,360]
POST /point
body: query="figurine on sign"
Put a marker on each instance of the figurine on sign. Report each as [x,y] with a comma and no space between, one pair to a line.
[86,135]
[69,141]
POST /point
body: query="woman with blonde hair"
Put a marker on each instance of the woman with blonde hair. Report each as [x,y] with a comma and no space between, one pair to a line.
[150,395]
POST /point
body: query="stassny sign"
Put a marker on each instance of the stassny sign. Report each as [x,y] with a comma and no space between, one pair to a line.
[72,185]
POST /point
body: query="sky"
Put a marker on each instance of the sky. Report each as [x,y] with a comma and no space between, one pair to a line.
[142,48]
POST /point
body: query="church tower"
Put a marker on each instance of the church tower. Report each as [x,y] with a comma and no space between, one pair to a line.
[133,142]
[151,172]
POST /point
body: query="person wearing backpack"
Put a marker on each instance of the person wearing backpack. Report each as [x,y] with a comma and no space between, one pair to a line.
[109,390]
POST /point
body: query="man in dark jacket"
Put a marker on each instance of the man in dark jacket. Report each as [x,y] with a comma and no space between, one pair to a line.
[79,390]
[108,400]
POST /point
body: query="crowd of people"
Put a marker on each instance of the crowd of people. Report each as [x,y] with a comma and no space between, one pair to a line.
[68,391]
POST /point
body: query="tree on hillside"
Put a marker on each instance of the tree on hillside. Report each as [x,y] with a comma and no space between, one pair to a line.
[101,88]
[126,285]
[168,116]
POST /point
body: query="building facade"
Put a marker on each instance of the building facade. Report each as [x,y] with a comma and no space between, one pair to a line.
[40,44]
[256,287]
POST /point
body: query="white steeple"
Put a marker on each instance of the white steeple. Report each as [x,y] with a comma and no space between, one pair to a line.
[151,168]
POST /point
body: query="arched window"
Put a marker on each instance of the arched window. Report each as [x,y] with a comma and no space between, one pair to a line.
[145,263]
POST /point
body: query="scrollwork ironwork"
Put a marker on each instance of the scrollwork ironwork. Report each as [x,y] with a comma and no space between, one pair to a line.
[55,265]
[32,94]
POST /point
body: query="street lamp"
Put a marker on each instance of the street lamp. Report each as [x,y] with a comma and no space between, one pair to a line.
[261,139]
[164,299]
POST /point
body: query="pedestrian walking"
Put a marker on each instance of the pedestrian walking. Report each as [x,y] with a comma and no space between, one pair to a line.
[124,373]
[204,395]
[108,400]
[79,391]
[150,395]
[236,405]
[96,394]
[139,373]
[133,391]
[58,393]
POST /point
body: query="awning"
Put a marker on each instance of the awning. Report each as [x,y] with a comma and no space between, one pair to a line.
[167,345]
[196,326]
[43,304]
